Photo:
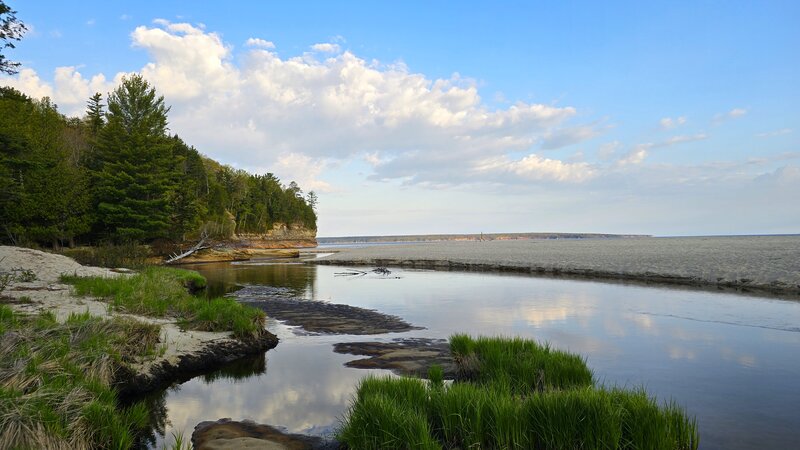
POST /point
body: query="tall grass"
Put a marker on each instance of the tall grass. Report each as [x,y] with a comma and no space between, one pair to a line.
[162,292]
[56,380]
[506,409]
[522,364]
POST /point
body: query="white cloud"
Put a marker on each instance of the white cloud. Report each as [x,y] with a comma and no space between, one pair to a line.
[668,123]
[680,139]
[125,17]
[28,81]
[774,133]
[639,152]
[259,43]
[608,150]
[326,47]
[299,116]
[90,22]
[568,136]
[635,156]
[737,112]
[304,170]
[536,168]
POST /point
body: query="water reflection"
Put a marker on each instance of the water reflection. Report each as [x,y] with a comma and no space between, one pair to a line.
[730,360]
[224,278]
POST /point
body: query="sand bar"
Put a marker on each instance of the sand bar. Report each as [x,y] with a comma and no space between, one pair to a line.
[757,264]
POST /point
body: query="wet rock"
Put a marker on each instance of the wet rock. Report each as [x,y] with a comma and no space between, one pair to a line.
[321,317]
[211,356]
[227,434]
[411,356]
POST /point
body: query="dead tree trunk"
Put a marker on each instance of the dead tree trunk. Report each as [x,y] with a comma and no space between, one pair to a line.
[199,246]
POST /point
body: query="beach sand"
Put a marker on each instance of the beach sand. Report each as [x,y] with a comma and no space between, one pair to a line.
[761,264]
[182,350]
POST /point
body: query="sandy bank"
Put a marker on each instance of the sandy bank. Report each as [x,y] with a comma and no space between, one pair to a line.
[765,264]
[184,352]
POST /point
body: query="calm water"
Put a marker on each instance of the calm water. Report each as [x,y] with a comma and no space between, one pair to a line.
[730,360]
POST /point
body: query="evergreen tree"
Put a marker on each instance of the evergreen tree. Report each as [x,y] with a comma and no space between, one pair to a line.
[137,174]
[11,29]
[95,115]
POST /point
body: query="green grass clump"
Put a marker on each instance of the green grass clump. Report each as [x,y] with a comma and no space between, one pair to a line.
[162,292]
[56,380]
[522,364]
[505,409]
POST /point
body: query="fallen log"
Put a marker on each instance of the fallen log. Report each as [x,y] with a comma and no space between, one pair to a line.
[197,247]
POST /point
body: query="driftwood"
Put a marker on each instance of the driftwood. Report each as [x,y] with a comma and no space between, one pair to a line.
[199,246]
[361,273]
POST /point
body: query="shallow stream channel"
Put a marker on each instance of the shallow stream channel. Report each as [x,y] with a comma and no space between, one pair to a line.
[731,360]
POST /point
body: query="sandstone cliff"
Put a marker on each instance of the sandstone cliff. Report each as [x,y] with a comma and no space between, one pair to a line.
[280,236]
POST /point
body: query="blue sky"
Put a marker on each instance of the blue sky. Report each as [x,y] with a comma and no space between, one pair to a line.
[632,117]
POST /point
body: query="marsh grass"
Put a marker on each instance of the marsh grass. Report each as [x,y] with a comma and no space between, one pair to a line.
[501,407]
[522,364]
[162,292]
[56,380]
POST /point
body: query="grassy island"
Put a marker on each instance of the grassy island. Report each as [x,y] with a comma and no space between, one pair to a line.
[511,393]
[60,375]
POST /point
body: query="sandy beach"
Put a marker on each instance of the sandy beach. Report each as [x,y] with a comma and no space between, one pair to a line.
[183,351]
[764,264]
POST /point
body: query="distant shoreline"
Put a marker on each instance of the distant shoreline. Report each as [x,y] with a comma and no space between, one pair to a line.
[751,264]
[472,237]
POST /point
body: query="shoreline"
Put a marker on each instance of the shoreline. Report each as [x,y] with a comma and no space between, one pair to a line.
[748,265]
[185,352]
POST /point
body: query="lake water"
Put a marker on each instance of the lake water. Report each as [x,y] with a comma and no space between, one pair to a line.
[730,360]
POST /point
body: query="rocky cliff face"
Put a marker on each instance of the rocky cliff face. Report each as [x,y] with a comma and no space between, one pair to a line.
[281,236]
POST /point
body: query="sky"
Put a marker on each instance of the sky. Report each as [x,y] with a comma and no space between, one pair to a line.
[662,118]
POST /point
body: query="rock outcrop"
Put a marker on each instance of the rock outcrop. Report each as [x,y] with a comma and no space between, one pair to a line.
[280,236]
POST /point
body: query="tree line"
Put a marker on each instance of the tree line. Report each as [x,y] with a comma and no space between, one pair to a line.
[117,175]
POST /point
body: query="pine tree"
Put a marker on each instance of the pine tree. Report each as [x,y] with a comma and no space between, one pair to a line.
[137,174]
[95,114]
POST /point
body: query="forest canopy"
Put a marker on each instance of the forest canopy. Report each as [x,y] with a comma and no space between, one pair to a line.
[116,175]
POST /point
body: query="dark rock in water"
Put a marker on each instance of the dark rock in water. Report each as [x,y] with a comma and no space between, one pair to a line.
[230,435]
[321,317]
[412,356]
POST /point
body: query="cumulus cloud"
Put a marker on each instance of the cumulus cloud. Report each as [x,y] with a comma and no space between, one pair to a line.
[536,168]
[668,123]
[260,43]
[326,47]
[294,116]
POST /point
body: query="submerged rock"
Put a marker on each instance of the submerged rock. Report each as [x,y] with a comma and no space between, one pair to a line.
[411,356]
[321,317]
